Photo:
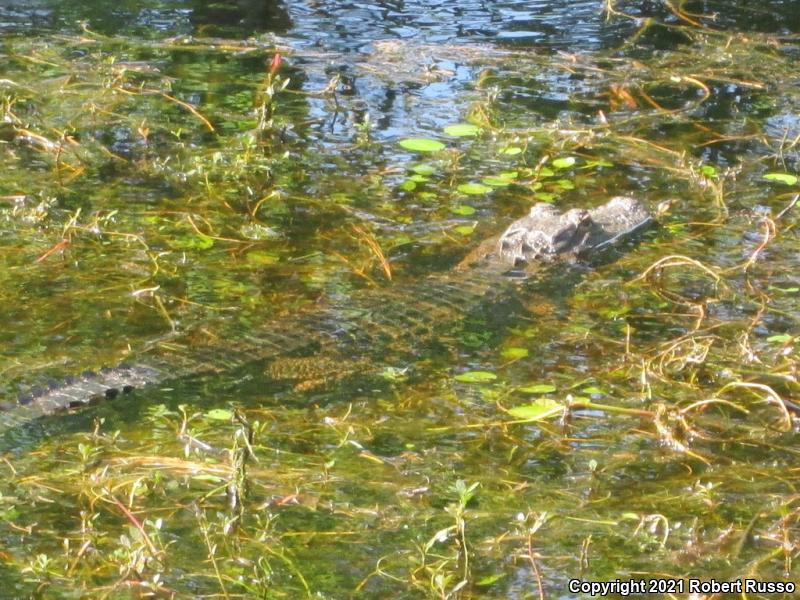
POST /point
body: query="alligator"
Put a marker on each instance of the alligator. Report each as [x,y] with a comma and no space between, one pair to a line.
[369,323]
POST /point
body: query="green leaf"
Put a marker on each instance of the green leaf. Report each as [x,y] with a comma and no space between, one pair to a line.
[424,169]
[780,339]
[511,150]
[418,178]
[544,196]
[219,414]
[261,257]
[408,185]
[593,390]
[463,209]
[475,377]
[545,172]
[462,130]
[192,242]
[207,477]
[565,184]
[543,408]
[514,353]
[708,171]
[502,179]
[564,162]
[490,579]
[473,189]
[601,162]
[538,388]
[464,229]
[495,181]
[421,145]
[786,178]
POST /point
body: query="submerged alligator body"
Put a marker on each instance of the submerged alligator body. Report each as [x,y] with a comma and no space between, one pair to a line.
[371,322]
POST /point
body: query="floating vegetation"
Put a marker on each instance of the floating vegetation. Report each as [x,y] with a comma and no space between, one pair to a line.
[631,417]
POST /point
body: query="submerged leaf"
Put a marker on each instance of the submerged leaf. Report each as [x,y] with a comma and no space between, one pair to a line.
[564,162]
[543,408]
[500,180]
[780,338]
[475,377]
[538,388]
[514,353]
[474,189]
[511,150]
[192,242]
[424,169]
[421,145]
[593,390]
[261,257]
[462,130]
[219,414]
[786,178]
[463,209]
[495,181]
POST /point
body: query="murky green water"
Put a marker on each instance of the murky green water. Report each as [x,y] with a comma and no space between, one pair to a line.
[164,197]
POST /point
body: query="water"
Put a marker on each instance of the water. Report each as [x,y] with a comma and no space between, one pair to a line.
[153,200]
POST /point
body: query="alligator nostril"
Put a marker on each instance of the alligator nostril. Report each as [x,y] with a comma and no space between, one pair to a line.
[111,393]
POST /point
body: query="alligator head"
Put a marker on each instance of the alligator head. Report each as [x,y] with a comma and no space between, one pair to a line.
[545,234]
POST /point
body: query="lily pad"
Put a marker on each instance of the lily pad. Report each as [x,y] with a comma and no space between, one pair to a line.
[543,408]
[421,145]
[474,189]
[462,130]
[475,377]
[408,185]
[786,178]
[538,388]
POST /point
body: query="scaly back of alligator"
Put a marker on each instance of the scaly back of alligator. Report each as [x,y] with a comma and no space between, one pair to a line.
[368,324]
